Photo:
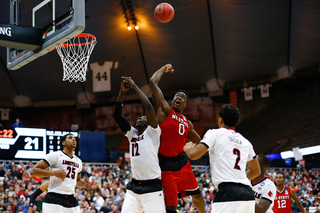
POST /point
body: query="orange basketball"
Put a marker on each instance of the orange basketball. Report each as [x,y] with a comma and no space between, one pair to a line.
[164,12]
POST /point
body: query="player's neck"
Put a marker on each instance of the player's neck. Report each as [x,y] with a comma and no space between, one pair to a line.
[257,179]
[227,127]
[178,111]
[68,152]
[280,188]
[141,129]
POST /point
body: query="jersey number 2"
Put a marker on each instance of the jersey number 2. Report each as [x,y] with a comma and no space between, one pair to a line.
[237,152]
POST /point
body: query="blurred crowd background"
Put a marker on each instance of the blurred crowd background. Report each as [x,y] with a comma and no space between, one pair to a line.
[109,187]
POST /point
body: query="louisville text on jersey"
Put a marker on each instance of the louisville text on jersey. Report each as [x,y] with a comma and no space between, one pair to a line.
[70,163]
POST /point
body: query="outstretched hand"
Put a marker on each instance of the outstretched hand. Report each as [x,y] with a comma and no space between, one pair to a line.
[189,145]
[128,80]
[169,68]
[125,86]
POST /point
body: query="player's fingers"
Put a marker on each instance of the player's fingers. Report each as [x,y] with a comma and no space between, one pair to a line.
[126,78]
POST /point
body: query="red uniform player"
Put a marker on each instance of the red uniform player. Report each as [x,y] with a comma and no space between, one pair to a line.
[176,129]
[282,201]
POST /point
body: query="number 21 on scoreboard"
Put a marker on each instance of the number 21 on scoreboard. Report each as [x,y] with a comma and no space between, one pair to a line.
[31,143]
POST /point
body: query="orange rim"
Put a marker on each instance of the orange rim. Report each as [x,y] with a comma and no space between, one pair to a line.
[83,35]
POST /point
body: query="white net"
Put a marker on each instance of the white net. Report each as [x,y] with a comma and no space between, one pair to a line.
[75,55]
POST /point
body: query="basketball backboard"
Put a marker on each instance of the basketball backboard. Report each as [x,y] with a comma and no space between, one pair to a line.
[60,20]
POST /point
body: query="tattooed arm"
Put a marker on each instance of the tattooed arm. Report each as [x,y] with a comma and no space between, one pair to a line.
[195,151]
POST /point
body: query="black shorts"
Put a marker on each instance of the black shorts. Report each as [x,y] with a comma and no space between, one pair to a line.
[67,201]
[144,186]
[172,163]
[233,192]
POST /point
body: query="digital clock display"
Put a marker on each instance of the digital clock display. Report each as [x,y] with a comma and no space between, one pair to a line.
[30,143]
[6,133]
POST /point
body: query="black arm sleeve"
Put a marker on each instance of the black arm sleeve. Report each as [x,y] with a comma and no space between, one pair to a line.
[121,121]
[34,195]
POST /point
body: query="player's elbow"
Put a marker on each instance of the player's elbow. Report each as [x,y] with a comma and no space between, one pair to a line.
[152,82]
[32,172]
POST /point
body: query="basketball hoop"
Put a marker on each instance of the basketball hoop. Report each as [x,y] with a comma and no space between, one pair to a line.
[75,54]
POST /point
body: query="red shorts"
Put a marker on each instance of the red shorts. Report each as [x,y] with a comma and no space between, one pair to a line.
[183,182]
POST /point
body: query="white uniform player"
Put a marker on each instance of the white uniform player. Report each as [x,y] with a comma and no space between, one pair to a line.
[144,153]
[145,170]
[232,151]
[64,172]
[73,166]
[265,190]
[233,163]
[144,192]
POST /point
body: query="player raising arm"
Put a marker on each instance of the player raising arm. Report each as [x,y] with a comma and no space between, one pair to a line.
[177,175]
[144,192]
[229,154]
[65,173]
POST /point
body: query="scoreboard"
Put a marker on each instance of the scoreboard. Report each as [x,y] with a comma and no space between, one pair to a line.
[30,143]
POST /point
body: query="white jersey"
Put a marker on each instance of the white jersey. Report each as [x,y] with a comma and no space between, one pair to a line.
[265,189]
[229,153]
[72,166]
[144,153]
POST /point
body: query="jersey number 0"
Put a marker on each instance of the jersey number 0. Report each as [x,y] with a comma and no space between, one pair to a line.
[181,129]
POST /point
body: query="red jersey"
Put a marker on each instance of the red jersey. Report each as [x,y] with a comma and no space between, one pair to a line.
[282,201]
[174,133]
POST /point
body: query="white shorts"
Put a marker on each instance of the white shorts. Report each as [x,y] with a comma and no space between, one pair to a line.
[152,202]
[54,208]
[233,207]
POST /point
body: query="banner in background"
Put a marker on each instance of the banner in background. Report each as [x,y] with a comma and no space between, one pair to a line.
[5,114]
[264,89]
[233,98]
[248,96]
